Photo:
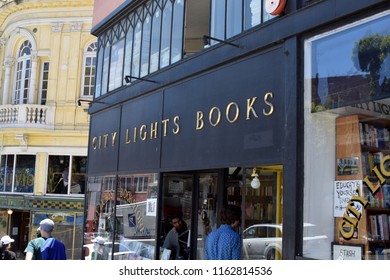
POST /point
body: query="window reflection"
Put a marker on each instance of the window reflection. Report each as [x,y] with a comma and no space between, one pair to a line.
[347,73]
[66,174]
[17,173]
[136,214]
[350,66]
[99,218]
[207,210]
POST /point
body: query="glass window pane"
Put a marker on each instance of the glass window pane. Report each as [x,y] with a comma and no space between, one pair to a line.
[218,8]
[177,31]
[262,235]
[136,214]
[137,50]
[145,46]
[347,123]
[233,18]
[116,65]
[7,170]
[128,52]
[99,71]
[207,205]
[166,33]
[106,63]
[100,219]
[155,47]
[252,13]
[24,173]
[3,160]
[78,179]
[58,175]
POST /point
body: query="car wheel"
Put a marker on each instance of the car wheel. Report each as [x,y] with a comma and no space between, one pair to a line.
[271,255]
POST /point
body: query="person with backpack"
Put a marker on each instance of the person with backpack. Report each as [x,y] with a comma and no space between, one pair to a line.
[52,249]
[6,252]
[33,249]
[45,246]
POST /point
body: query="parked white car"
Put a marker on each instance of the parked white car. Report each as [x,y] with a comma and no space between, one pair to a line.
[264,241]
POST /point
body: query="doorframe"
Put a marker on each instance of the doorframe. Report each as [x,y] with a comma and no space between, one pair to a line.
[222,175]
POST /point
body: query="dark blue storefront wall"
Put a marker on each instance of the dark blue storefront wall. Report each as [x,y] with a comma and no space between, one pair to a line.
[228,117]
[103,143]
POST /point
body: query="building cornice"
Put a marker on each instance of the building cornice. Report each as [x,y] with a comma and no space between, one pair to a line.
[12,7]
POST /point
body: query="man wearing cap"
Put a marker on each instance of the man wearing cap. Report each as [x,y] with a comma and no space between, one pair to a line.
[45,247]
[100,252]
[52,249]
[6,253]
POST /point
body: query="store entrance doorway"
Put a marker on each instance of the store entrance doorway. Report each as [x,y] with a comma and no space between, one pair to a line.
[193,197]
[196,197]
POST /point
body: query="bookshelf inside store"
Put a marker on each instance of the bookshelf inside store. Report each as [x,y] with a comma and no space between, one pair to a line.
[366,139]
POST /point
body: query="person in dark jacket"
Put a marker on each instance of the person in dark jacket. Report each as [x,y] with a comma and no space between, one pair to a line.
[177,238]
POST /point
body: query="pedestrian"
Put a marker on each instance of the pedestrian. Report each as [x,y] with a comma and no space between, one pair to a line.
[51,249]
[6,252]
[224,243]
[99,250]
[33,249]
[177,238]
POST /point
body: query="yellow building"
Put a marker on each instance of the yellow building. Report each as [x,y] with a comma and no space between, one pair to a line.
[47,64]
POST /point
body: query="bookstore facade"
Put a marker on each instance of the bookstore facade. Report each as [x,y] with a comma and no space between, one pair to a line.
[302,147]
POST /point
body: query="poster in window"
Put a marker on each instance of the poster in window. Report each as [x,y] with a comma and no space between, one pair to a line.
[176,186]
[151,207]
[343,192]
[347,252]
[347,166]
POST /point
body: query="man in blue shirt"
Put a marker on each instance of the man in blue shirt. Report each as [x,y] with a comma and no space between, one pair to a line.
[224,243]
[51,249]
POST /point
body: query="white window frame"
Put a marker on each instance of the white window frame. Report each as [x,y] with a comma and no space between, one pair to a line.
[20,75]
[89,54]
[42,80]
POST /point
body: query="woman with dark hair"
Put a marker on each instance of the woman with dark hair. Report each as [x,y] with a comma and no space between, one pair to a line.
[224,243]
[6,253]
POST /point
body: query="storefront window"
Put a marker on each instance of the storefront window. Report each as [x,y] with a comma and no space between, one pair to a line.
[17,173]
[100,218]
[136,214]
[66,174]
[262,227]
[347,122]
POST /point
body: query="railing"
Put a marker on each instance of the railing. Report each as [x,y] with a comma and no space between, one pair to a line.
[27,115]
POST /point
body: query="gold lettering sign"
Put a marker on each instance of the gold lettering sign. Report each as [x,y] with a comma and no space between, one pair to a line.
[231,113]
[349,223]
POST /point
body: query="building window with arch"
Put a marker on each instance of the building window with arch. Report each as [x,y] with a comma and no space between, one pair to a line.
[88,79]
[23,74]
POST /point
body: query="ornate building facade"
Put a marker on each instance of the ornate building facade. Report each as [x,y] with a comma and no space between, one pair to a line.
[47,64]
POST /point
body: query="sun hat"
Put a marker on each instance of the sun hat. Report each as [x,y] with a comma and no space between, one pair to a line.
[99,240]
[47,225]
[6,240]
